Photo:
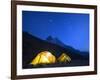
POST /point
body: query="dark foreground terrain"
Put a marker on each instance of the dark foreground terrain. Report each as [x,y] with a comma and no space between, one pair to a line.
[33,45]
[70,64]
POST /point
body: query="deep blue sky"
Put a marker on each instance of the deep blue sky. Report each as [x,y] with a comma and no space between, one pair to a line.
[71,28]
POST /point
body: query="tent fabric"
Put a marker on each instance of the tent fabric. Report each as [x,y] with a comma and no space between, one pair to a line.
[44,57]
[64,58]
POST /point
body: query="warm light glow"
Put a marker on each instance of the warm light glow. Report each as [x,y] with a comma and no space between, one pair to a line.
[64,58]
[44,57]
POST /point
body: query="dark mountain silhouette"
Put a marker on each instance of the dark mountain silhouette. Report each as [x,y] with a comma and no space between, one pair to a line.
[58,42]
[55,41]
[33,45]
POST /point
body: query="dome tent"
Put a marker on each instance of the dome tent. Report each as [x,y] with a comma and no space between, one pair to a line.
[64,58]
[44,57]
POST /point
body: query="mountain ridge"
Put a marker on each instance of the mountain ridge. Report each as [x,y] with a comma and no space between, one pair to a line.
[33,45]
[58,42]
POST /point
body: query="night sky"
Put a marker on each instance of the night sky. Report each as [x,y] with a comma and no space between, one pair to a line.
[71,28]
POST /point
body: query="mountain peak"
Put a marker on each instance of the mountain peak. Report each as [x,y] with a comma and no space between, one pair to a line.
[55,40]
[49,38]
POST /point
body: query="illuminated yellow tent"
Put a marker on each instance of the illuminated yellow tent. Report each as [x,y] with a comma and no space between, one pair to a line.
[44,57]
[64,58]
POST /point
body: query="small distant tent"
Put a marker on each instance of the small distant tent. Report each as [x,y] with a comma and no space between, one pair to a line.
[64,58]
[44,57]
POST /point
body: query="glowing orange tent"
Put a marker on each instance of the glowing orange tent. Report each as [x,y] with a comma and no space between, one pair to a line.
[64,58]
[44,57]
